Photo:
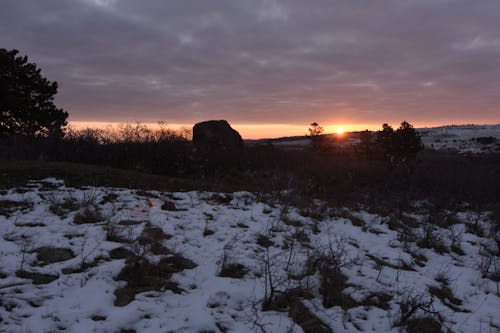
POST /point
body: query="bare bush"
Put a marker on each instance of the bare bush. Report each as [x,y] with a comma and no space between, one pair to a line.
[89,214]
[228,267]
[432,239]
[417,314]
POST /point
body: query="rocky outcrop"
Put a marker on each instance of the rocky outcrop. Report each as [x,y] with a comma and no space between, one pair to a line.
[216,134]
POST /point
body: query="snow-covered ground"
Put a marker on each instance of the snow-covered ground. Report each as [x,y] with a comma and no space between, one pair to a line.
[70,234]
[463,138]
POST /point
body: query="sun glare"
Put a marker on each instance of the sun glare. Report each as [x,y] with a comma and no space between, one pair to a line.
[339,130]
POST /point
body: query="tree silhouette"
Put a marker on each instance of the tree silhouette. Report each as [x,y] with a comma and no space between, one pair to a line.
[26,99]
[386,141]
[407,141]
[316,135]
[395,147]
[315,130]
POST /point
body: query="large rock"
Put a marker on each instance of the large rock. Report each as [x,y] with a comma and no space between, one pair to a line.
[216,134]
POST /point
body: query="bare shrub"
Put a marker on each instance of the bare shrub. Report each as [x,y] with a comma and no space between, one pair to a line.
[303,317]
[423,324]
[62,206]
[329,264]
[445,293]
[417,315]
[489,264]
[113,233]
[456,239]
[88,215]
[378,299]
[264,241]
[229,268]
[432,239]
[281,265]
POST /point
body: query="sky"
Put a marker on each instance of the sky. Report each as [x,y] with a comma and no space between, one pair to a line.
[267,66]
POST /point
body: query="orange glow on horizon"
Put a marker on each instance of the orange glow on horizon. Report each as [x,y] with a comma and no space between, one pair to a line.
[255,131]
[247,131]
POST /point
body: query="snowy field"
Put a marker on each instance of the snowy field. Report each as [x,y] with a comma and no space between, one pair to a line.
[464,139]
[121,260]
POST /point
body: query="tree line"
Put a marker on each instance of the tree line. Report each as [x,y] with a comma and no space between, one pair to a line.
[396,147]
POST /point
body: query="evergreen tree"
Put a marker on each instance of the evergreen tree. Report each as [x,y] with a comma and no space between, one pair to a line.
[407,141]
[385,142]
[366,143]
[26,99]
[398,147]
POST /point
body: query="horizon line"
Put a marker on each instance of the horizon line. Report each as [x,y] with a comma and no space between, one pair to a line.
[256,131]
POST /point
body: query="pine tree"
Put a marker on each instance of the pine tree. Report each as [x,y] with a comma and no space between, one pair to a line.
[26,99]
[408,141]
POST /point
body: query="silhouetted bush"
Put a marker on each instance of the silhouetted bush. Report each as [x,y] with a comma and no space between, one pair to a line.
[339,176]
[393,147]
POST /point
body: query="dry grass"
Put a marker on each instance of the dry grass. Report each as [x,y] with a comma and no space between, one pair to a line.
[142,275]
[8,207]
[18,173]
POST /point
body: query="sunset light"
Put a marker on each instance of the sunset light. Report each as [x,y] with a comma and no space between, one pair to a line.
[249,166]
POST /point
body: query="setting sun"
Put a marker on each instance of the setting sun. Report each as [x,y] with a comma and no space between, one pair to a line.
[339,130]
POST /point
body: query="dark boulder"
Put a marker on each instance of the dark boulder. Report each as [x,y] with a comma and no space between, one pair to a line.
[216,134]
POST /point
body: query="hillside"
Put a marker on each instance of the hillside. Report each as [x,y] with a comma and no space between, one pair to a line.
[101,259]
[464,138]
[474,139]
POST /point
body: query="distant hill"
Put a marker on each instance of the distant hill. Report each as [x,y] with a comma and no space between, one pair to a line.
[463,138]
[458,138]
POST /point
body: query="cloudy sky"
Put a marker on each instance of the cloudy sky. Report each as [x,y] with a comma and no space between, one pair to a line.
[265,61]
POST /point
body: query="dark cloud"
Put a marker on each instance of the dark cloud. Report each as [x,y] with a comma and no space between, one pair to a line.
[265,61]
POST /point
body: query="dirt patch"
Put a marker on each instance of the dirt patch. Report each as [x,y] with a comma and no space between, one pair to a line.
[120,253]
[109,197]
[176,263]
[48,255]
[378,299]
[152,238]
[446,296]
[30,224]
[123,330]
[221,199]
[423,325]
[309,322]
[142,276]
[168,205]
[62,206]
[264,241]
[37,278]
[382,262]
[89,215]
[233,270]
[98,318]
[113,233]
[129,222]
[292,223]
[9,207]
